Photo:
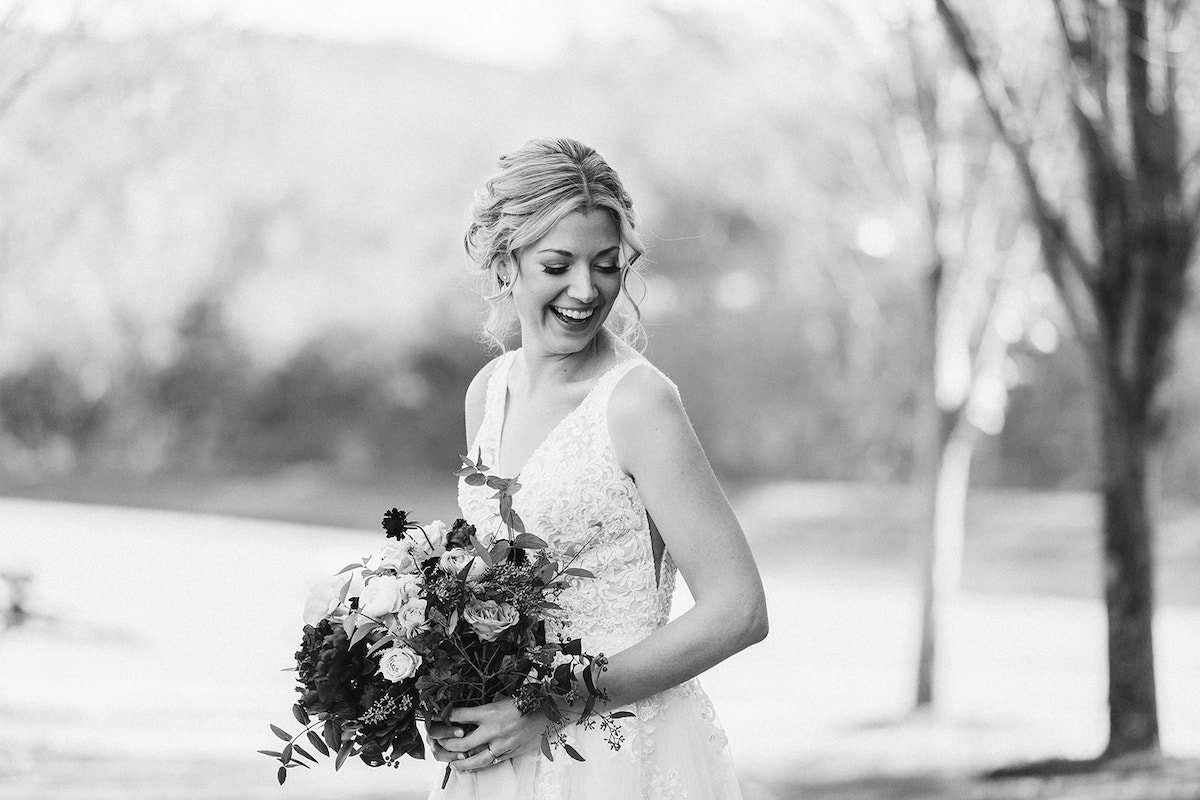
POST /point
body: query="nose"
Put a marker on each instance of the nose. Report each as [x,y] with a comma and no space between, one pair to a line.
[582,288]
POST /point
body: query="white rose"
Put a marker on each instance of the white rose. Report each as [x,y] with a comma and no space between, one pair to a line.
[490,618]
[397,557]
[323,599]
[454,559]
[410,586]
[399,662]
[436,532]
[381,596]
[411,618]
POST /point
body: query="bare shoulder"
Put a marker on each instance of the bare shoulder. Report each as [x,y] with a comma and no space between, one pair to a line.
[476,397]
[645,416]
[643,394]
[478,387]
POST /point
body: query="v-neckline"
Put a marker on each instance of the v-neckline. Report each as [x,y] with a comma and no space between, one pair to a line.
[504,414]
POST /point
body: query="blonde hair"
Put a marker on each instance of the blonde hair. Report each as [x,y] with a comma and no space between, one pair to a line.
[536,187]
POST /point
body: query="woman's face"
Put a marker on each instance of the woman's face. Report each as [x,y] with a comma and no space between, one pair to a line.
[567,282]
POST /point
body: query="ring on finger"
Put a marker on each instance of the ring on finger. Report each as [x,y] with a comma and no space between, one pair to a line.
[492,753]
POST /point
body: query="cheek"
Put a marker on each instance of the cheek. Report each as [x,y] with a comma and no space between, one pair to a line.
[610,285]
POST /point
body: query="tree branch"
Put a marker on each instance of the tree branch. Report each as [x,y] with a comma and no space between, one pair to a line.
[17,86]
[1087,94]
[1058,243]
[13,14]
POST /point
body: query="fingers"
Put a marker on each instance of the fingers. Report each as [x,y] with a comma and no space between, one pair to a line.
[440,753]
[440,730]
[448,756]
[469,714]
[480,760]
[472,741]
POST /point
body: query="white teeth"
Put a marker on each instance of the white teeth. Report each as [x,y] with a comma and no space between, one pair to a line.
[574,313]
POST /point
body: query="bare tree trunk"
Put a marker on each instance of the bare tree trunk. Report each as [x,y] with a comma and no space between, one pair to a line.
[1129,585]
[947,535]
[1145,226]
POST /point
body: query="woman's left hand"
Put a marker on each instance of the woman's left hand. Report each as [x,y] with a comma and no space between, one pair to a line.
[502,732]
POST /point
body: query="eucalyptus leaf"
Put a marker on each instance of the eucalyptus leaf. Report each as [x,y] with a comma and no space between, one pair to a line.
[530,542]
[271,753]
[300,714]
[362,632]
[572,752]
[545,748]
[578,572]
[343,754]
[281,733]
[333,734]
[304,753]
[500,551]
[281,775]
[482,551]
[475,479]
[621,714]
[316,742]
[389,639]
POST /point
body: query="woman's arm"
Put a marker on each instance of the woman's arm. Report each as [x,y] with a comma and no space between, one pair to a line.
[656,445]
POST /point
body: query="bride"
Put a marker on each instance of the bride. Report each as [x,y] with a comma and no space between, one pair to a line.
[604,452]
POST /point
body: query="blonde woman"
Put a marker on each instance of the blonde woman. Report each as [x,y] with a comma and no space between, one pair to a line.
[600,440]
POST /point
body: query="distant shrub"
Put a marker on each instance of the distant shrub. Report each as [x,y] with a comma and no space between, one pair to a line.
[46,417]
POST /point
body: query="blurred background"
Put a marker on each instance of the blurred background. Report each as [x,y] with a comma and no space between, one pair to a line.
[236,323]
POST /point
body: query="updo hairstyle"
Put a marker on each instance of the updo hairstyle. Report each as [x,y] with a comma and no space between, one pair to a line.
[536,187]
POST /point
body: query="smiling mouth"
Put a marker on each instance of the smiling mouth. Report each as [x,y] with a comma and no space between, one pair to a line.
[573,317]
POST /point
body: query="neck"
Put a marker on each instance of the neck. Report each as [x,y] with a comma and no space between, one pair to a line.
[543,369]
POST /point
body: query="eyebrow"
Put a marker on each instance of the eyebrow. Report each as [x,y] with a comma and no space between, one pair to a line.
[569,254]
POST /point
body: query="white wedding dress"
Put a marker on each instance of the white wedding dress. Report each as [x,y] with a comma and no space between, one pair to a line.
[674,747]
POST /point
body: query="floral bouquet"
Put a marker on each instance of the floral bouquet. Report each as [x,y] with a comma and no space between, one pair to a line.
[441,616]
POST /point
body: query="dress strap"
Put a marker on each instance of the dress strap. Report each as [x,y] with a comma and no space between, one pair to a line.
[604,389]
[493,407]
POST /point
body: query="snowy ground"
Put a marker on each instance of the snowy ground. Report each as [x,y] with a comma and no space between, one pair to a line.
[159,667]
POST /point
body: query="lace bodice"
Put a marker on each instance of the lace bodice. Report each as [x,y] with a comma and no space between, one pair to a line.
[575,496]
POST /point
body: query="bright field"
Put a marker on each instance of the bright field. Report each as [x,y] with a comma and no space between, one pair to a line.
[155,667]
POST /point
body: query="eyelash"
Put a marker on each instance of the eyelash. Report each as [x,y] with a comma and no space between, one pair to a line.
[555,269]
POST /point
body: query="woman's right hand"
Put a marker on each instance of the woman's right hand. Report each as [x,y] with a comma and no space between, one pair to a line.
[436,732]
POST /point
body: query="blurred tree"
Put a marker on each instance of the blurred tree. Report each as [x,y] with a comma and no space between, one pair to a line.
[46,416]
[26,55]
[1121,272]
[982,263]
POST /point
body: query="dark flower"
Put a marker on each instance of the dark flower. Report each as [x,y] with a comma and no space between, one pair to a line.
[329,670]
[460,534]
[395,522]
